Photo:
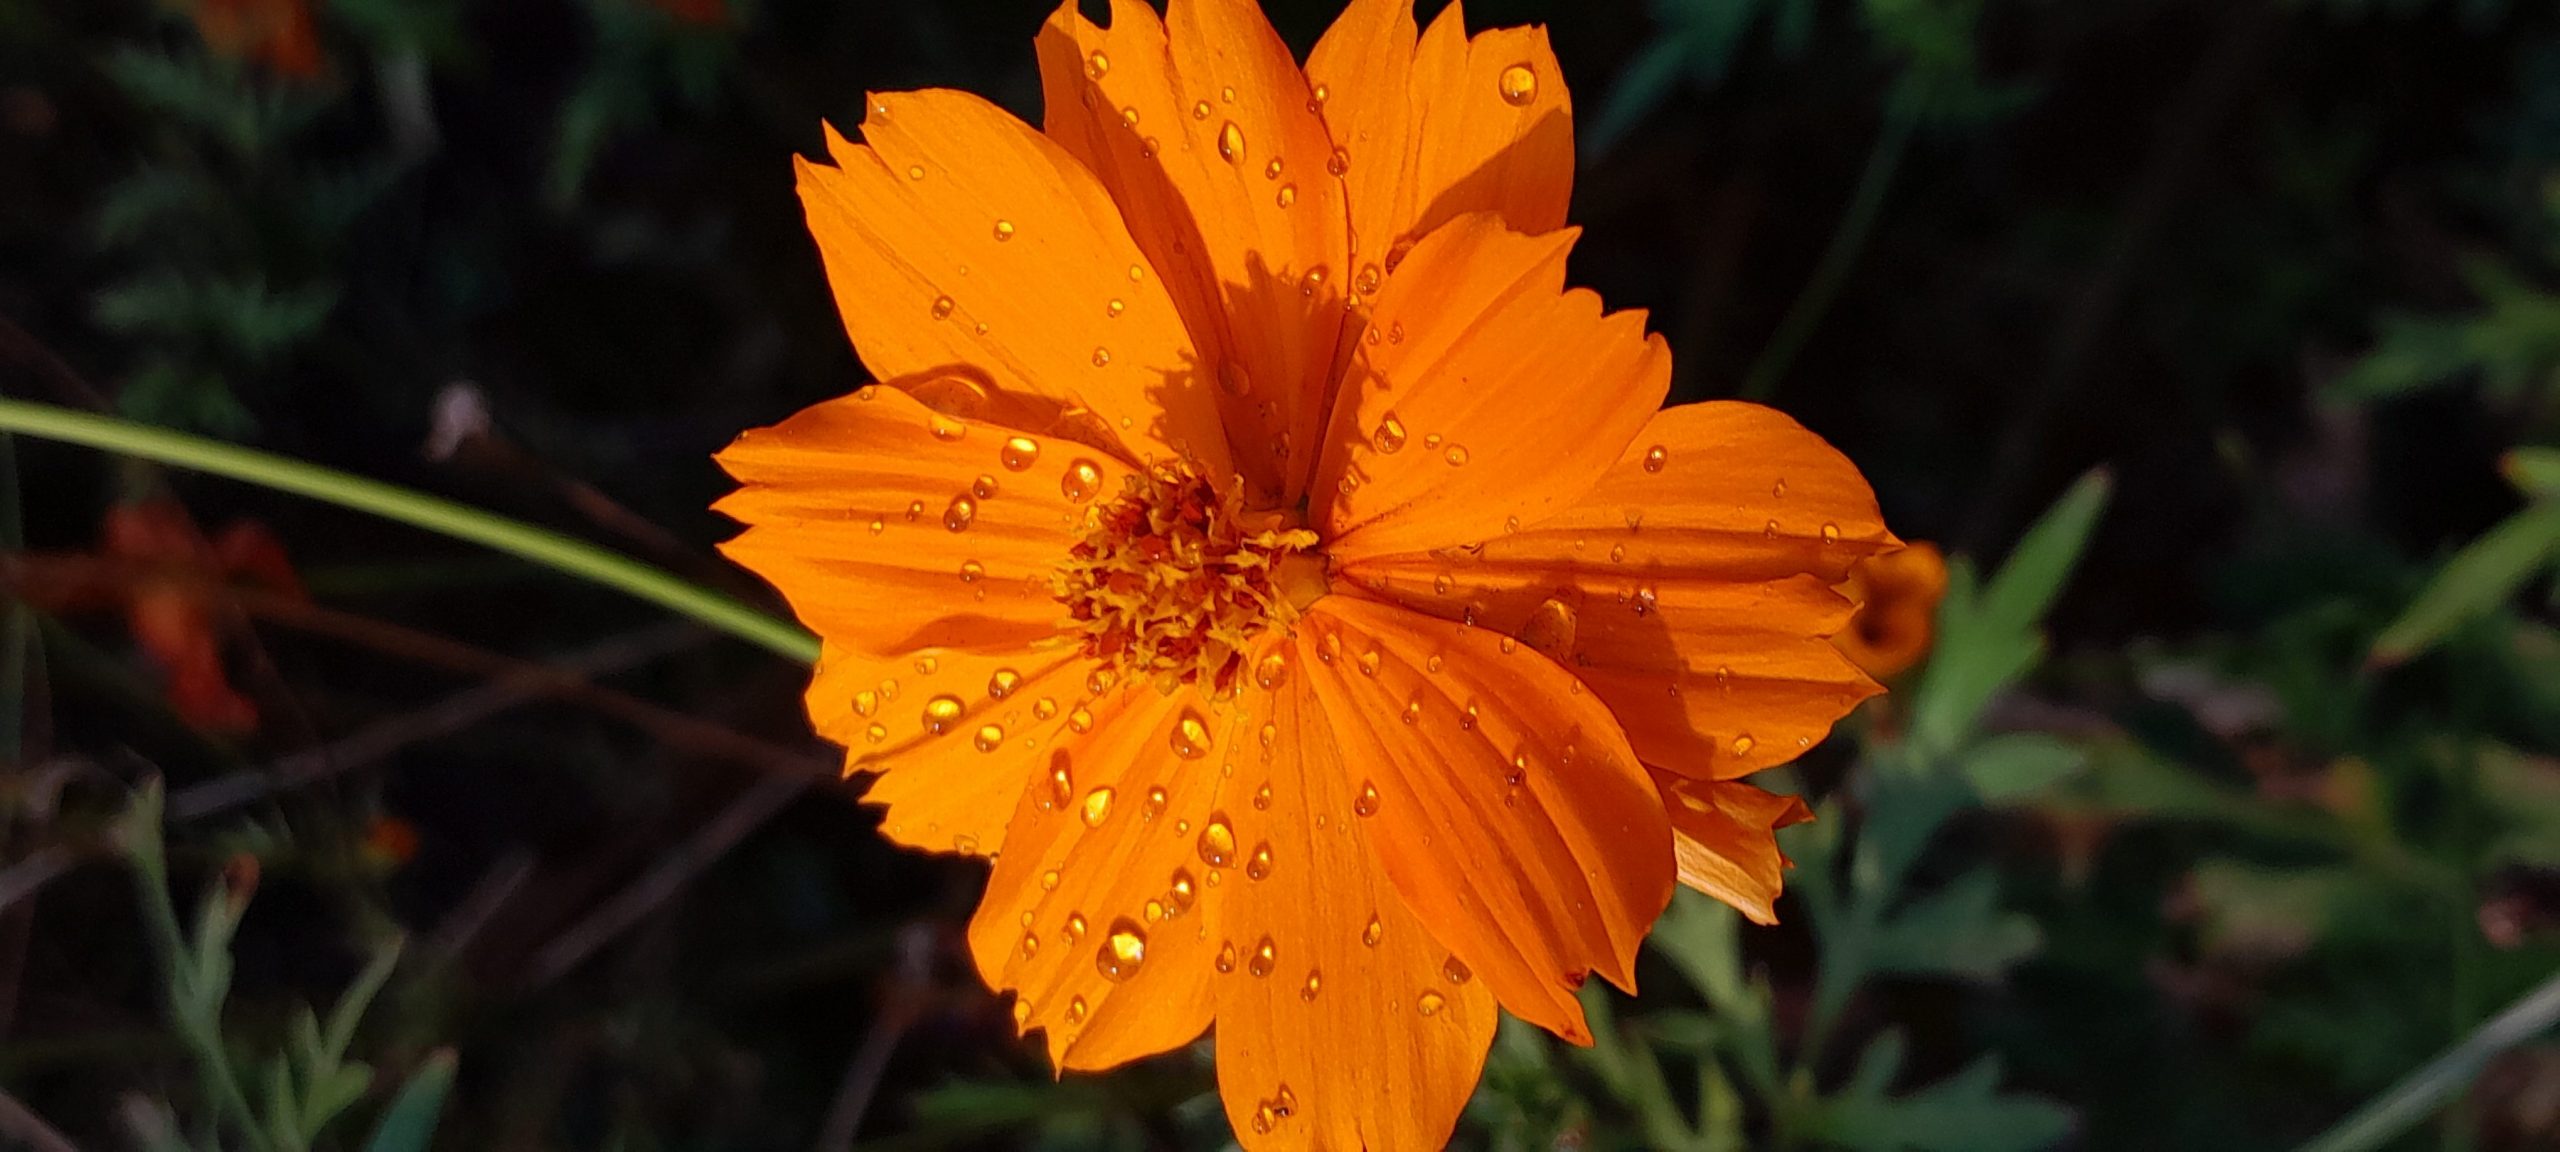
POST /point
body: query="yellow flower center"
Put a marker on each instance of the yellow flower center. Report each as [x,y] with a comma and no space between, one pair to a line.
[1174,578]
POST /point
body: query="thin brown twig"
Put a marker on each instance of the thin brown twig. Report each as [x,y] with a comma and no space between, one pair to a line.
[452,714]
[748,812]
[21,1124]
[902,1004]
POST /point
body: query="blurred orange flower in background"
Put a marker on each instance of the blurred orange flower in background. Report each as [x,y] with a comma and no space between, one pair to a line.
[1897,594]
[166,610]
[279,34]
[1258,551]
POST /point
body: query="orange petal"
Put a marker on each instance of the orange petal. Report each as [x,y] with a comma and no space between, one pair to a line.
[1483,395]
[1689,587]
[931,634]
[989,722]
[1501,798]
[1099,913]
[1725,836]
[1460,125]
[1342,1021]
[960,241]
[1203,129]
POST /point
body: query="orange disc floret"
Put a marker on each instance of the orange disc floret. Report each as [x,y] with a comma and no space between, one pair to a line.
[1174,578]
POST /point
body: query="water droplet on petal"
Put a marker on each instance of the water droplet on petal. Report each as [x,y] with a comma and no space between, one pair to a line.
[1550,629]
[1389,436]
[1200,111]
[1456,971]
[1743,744]
[1315,983]
[1456,456]
[866,702]
[1154,805]
[1081,720]
[1004,229]
[1367,804]
[990,737]
[960,514]
[1123,950]
[1830,533]
[1265,955]
[1190,738]
[941,712]
[1019,453]
[1259,865]
[1097,807]
[1218,841]
[1430,1003]
[1049,880]
[1517,84]
[942,306]
[1376,931]
[1231,143]
[915,171]
[1272,670]
[1076,1011]
[1655,457]
[1097,65]
[1286,196]
[1044,708]
[1081,481]
[1101,356]
[1340,162]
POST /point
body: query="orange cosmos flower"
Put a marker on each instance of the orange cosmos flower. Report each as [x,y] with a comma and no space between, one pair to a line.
[1258,552]
[1897,594]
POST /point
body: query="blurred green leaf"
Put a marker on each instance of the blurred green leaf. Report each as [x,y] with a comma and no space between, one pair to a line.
[2483,575]
[2534,471]
[1958,930]
[1988,638]
[410,1123]
[2019,765]
[1963,1113]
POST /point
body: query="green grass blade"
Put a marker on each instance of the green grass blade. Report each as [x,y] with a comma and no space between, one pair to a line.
[541,546]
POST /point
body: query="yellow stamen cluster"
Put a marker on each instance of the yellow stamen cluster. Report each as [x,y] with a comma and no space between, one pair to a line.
[1174,578]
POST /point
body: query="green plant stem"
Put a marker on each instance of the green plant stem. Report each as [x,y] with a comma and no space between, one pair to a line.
[539,545]
[1902,115]
[2408,1103]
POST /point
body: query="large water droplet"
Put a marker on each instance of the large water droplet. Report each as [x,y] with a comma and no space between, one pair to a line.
[1265,955]
[962,512]
[1004,229]
[1456,971]
[1339,163]
[1190,737]
[1376,931]
[1226,957]
[1018,453]
[1389,436]
[1081,481]
[1076,1011]
[1430,1003]
[1231,143]
[1315,983]
[1456,456]
[990,737]
[942,306]
[1123,950]
[1218,841]
[1272,670]
[1097,65]
[1367,804]
[1097,807]
[941,712]
[1550,629]
[866,702]
[1259,865]
[1518,85]
[1154,805]
[1655,457]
